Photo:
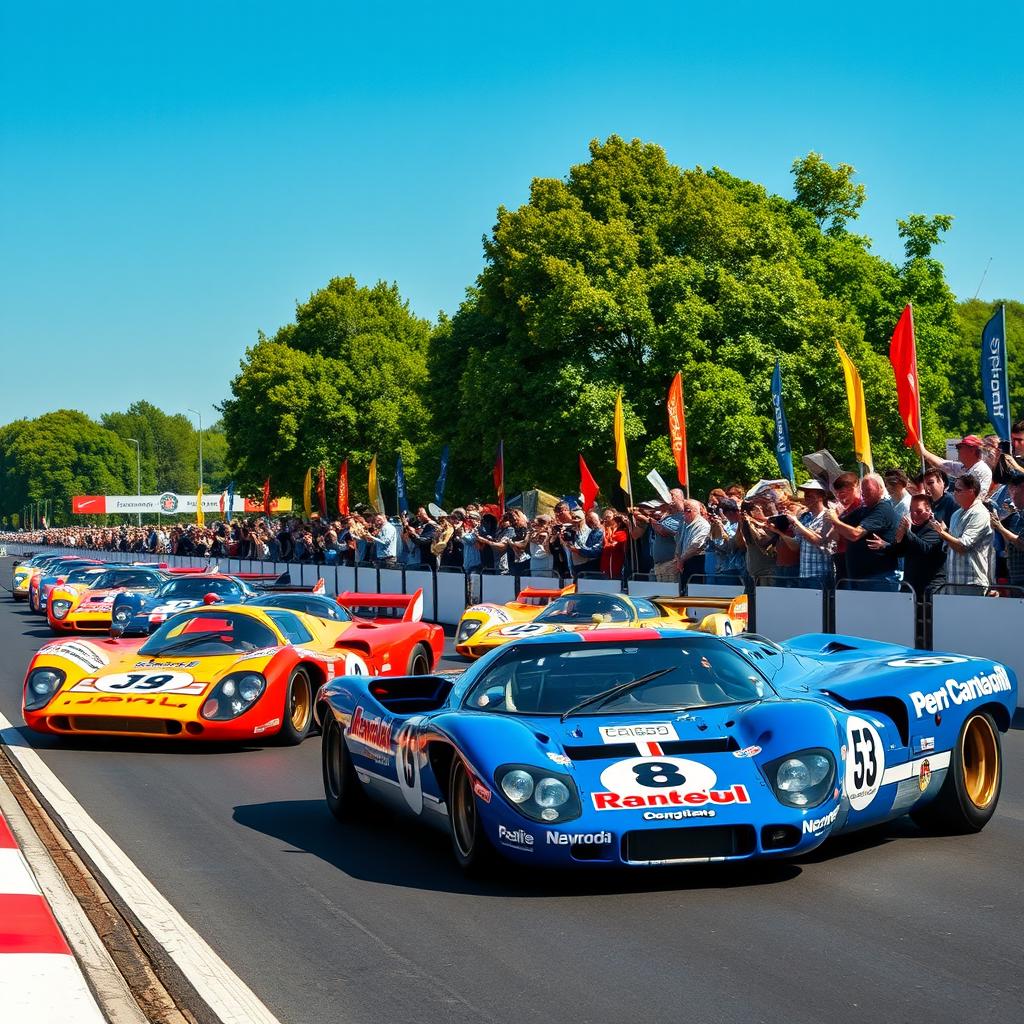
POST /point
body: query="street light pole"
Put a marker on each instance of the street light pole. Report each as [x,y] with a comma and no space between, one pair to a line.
[199,415]
[138,473]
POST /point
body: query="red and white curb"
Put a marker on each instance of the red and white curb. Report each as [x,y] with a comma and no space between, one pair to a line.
[40,979]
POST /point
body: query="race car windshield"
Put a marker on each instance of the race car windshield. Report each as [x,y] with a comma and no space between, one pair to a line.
[81,576]
[612,678]
[583,608]
[210,632]
[198,587]
[120,578]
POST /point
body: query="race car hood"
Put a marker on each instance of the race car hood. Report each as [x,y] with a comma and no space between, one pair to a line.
[704,753]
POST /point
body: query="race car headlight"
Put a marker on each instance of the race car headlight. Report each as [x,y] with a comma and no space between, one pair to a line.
[803,779]
[537,793]
[40,687]
[233,696]
[467,629]
[60,608]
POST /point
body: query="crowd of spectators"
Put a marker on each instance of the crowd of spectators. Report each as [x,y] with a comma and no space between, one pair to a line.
[959,524]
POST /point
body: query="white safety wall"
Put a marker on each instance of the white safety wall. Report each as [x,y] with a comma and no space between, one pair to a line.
[888,617]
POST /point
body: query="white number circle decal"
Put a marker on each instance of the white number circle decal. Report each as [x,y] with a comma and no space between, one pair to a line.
[409,761]
[865,762]
[143,682]
[354,665]
[524,629]
[927,661]
[638,776]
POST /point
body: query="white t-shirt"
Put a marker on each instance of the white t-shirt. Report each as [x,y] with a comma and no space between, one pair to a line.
[980,471]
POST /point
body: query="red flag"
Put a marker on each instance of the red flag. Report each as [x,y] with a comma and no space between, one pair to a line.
[588,486]
[343,489]
[321,492]
[677,428]
[499,476]
[903,356]
[266,496]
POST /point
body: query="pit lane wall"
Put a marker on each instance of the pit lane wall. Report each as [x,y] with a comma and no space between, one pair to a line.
[972,625]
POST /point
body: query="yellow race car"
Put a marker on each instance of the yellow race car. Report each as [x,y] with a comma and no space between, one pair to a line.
[25,572]
[480,618]
[573,612]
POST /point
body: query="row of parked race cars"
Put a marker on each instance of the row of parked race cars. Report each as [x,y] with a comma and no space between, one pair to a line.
[590,730]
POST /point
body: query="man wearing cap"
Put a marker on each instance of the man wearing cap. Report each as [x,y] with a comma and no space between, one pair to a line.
[808,535]
[969,450]
[665,529]
[1011,529]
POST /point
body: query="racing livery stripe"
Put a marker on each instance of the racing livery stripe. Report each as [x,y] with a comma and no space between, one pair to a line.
[901,772]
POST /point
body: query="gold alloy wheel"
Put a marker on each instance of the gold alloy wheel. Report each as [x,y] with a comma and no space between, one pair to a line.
[980,759]
[300,702]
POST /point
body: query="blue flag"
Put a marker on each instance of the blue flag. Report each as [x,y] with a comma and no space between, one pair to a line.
[230,501]
[403,498]
[783,453]
[994,384]
[442,478]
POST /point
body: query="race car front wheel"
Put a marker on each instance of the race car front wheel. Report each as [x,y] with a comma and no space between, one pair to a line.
[970,792]
[341,787]
[473,852]
[298,708]
[419,662]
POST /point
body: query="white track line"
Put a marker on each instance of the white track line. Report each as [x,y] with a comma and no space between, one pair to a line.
[221,989]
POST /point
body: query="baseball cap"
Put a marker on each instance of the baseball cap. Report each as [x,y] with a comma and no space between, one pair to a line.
[1015,479]
[811,485]
[728,505]
[971,441]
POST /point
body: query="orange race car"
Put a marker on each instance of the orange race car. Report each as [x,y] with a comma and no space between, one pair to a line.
[218,672]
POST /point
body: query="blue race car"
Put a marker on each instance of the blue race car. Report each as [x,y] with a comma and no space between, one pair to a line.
[644,747]
[137,614]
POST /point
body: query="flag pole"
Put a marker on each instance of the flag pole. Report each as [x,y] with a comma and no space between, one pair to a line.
[917,390]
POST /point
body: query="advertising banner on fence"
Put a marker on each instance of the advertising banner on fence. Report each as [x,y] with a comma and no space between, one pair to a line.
[169,504]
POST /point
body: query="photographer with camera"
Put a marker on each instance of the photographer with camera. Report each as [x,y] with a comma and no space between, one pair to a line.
[727,560]
[665,523]
[1008,522]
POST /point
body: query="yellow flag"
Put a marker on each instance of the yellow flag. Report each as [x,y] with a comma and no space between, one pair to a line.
[621,457]
[374,487]
[307,493]
[858,410]
[200,518]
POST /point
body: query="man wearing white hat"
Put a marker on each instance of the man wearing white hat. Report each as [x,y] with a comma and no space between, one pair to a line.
[808,536]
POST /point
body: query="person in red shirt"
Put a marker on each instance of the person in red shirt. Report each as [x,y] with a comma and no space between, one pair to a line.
[613,554]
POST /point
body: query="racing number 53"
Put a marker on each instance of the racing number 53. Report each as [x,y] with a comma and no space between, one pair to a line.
[865,760]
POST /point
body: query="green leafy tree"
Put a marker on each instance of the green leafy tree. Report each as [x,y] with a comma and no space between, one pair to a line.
[829,193]
[169,447]
[57,456]
[345,380]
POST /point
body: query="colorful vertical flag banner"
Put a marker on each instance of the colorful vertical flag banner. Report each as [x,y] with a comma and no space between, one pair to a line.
[442,478]
[621,455]
[994,380]
[200,518]
[343,489]
[231,500]
[266,496]
[903,356]
[321,492]
[307,493]
[403,496]
[858,409]
[222,501]
[499,475]
[783,451]
[588,486]
[677,429]
[373,486]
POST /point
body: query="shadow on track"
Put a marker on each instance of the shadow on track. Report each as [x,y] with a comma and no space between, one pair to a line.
[391,851]
[122,745]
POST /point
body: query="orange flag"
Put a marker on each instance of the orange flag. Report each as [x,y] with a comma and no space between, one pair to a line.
[677,428]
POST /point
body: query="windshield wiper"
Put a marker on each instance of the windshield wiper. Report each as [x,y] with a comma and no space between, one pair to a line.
[605,696]
[181,645]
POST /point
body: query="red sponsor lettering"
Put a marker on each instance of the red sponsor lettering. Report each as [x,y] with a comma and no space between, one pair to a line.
[616,802]
[370,731]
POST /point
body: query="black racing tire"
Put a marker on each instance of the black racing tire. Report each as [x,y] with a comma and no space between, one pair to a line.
[419,661]
[473,851]
[970,791]
[297,714]
[342,790]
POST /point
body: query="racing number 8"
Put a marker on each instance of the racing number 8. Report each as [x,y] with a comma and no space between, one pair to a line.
[865,763]
[655,774]
[140,681]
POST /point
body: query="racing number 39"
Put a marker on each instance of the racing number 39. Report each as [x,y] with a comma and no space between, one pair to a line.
[141,681]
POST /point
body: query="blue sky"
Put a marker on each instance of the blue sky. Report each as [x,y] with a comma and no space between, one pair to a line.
[173,177]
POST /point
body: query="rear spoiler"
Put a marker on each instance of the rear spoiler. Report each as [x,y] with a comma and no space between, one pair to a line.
[384,607]
[735,607]
[537,595]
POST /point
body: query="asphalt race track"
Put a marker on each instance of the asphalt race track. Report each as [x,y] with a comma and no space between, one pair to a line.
[375,923]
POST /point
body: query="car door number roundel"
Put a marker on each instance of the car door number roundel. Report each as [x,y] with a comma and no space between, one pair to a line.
[865,762]
[408,765]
